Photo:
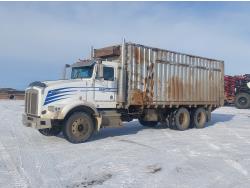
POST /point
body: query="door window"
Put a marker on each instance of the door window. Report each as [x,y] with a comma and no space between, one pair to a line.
[108,73]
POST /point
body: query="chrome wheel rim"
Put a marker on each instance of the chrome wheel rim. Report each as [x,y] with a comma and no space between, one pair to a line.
[80,128]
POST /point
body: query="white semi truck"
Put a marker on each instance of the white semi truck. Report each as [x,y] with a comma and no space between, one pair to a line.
[125,82]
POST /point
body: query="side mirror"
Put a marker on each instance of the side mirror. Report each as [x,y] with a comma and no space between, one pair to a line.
[99,71]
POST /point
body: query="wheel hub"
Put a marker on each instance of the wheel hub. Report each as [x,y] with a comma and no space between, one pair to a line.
[200,117]
[242,100]
[79,127]
[182,118]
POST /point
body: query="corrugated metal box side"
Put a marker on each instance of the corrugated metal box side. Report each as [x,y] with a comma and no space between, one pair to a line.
[162,77]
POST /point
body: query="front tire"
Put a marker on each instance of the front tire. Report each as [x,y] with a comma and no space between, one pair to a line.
[242,101]
[78,128]
[54,131]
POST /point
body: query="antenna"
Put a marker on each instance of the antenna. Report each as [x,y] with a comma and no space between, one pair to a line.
[123,40]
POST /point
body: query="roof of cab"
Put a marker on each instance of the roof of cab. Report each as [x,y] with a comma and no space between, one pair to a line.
[82,63]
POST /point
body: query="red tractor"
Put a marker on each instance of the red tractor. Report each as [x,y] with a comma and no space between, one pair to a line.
[237,91]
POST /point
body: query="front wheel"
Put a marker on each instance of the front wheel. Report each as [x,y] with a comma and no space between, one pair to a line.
[78,128]
[54,131]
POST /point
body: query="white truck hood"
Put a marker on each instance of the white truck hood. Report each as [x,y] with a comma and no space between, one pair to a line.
[65,89]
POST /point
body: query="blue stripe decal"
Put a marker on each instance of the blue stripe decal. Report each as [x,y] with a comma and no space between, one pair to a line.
[55,97]
[59,89]
[76,88]
[54,100]
[55,94]
[50,94]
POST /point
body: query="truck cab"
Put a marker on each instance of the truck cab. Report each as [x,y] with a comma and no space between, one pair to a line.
[92,85]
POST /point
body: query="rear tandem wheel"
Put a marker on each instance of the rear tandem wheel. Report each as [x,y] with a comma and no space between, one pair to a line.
[199,118]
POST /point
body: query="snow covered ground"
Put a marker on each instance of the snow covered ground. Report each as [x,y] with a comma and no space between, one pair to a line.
[132,156]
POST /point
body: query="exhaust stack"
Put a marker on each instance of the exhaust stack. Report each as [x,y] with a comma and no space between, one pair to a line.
[122,81]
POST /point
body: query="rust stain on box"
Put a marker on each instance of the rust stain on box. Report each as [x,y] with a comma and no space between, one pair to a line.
[137,97]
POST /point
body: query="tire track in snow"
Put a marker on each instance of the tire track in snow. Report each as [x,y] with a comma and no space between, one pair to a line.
[214,147]
[136,143]
[17,170]
[18,179]
[237,135]
[19,149]
[19,140]
[208,140]
[237,166]
[234,164]
[15,132]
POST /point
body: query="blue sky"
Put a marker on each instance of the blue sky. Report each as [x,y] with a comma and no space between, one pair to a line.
[38,38]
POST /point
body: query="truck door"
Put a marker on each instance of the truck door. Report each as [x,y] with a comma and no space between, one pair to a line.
[106,88]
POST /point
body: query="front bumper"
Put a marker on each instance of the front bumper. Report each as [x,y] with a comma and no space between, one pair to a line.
[36,122]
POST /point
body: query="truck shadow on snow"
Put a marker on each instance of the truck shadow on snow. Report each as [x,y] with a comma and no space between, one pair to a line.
[218,118]
[127,129]
[134,127]
[131,128]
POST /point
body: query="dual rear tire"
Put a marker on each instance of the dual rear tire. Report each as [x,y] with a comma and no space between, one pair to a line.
[199,118]
[184,120]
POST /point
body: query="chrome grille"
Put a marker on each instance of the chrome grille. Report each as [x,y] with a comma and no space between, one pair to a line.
[31,102]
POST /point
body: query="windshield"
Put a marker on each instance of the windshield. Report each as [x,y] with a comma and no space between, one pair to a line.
[82,72]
